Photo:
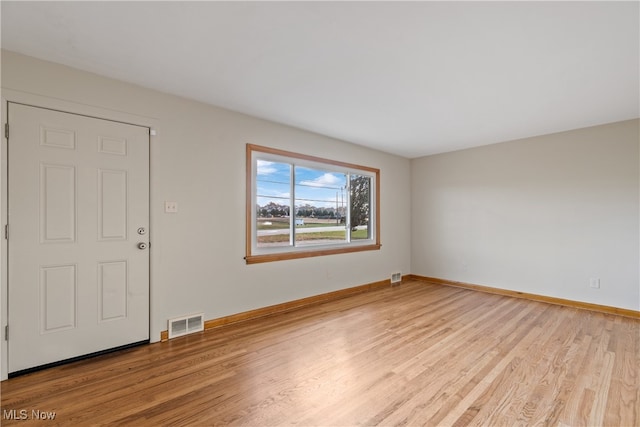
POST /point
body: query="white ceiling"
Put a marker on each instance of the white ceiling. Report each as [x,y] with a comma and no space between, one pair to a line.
[410,78]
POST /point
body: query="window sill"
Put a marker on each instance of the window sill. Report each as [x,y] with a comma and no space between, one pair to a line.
[256,259]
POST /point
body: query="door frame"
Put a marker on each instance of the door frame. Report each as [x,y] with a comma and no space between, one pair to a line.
[19,97]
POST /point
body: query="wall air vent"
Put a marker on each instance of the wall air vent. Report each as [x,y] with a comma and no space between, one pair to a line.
[180,326]
[396,278]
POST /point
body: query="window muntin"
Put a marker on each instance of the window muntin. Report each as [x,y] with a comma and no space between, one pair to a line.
[300,206]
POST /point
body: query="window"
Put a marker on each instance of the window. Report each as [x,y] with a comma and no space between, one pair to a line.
[300,206]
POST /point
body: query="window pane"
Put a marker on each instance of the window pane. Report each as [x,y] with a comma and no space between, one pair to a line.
[360,191]
[320,198]
[273,204]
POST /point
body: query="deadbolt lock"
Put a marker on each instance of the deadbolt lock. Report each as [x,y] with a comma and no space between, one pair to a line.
[142,231]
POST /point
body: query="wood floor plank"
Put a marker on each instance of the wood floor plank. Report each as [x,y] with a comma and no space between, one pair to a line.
[413,354]
[624,392]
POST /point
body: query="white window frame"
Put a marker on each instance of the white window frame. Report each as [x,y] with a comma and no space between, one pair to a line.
[255,254]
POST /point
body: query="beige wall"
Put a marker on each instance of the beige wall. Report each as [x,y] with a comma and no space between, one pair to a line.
[541,215]
[198,160]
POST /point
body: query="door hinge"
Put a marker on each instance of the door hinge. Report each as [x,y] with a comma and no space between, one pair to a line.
[6,333]
[6,130]
[6,231]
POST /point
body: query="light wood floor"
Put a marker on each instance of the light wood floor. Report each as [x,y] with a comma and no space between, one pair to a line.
[415,354]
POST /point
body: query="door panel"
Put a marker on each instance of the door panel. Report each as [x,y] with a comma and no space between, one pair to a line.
[112,282]
[57,298]
[112,205]
[78,191]
[57,203]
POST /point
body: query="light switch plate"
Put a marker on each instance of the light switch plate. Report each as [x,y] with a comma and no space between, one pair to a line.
[171,207]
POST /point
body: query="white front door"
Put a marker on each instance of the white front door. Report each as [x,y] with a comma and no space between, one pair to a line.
[78,215]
